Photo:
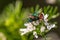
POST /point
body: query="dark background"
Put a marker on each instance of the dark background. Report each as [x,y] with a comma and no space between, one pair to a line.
[29,3]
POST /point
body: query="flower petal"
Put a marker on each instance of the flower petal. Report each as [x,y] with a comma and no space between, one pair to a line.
[42,29]
[46,16]
[23,31]
[50,26]
[35,34]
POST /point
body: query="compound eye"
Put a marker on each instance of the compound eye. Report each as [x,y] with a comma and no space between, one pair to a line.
[41,16]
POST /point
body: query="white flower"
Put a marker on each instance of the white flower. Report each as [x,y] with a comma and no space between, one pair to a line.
[50,26]
[26,30]
[45,17]
[28,24]
[46,23]
[23,31]
[36,22]
[29,28]
[35,34]
[46,20]
[42,29]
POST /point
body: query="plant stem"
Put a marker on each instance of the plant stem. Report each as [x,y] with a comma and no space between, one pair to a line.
[45,38]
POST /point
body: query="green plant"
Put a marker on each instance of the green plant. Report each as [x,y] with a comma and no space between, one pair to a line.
[13,18]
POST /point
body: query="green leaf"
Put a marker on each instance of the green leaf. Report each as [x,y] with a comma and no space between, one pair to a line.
[18,7]
[46,9]
[55,10]
[32,9]
[36,8]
